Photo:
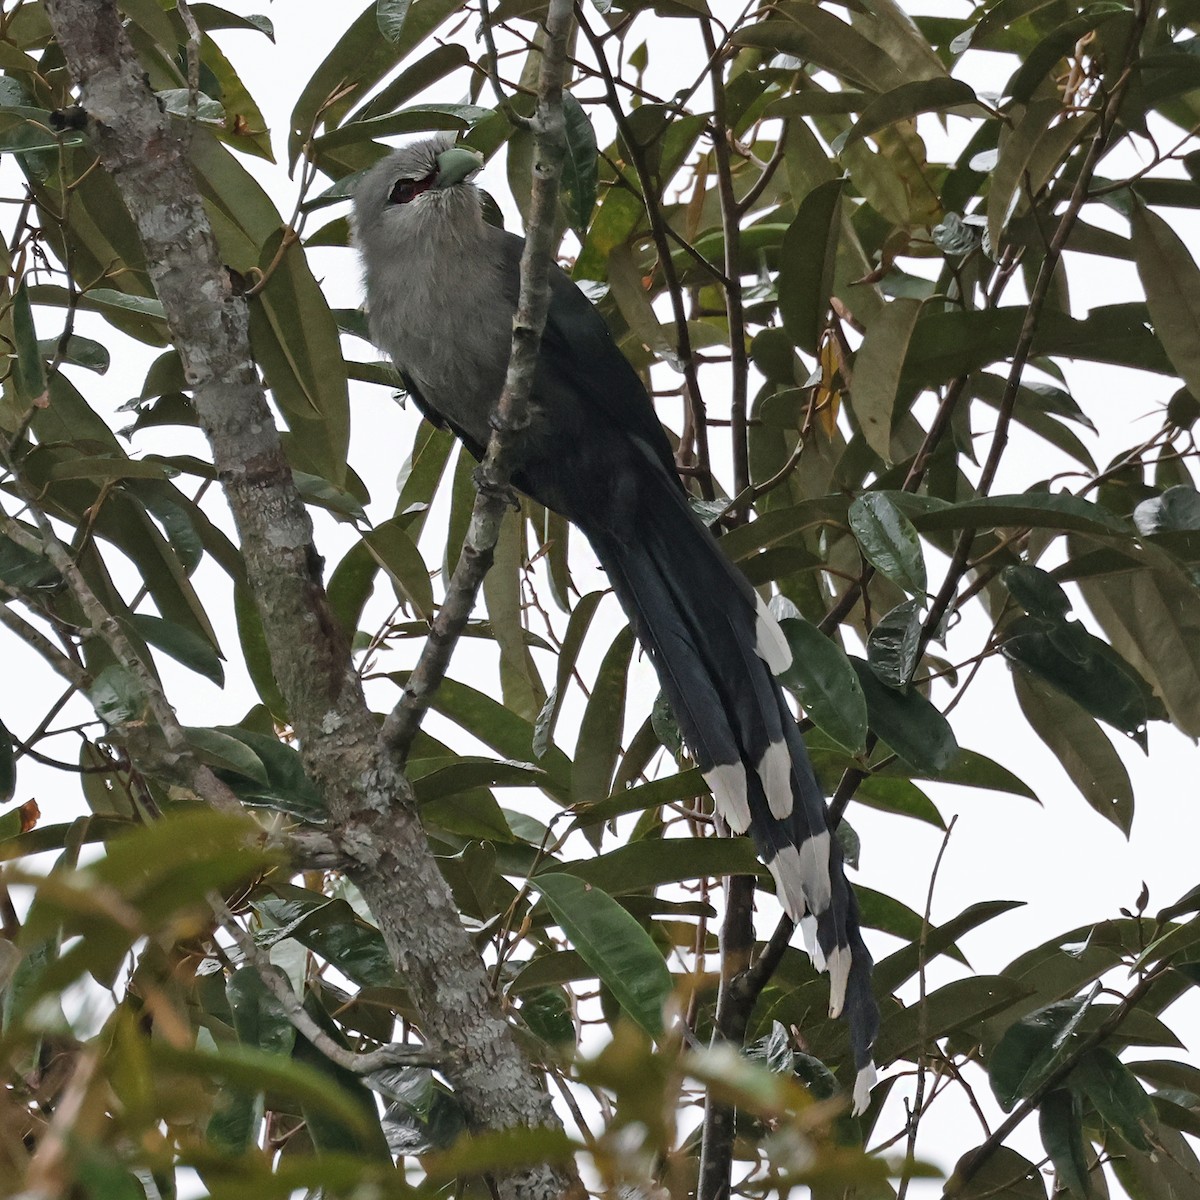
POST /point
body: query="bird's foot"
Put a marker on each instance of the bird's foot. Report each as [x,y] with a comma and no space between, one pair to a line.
[486,484]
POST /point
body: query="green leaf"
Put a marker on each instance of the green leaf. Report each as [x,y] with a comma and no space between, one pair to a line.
[682,786]
[1006,1175]
[1116,1095]
[286,787]
[255,653]
[894,644]
[902,965]
[1036,591]
[503,1152]
[29,369]
[613,944]
[580,166]
[807,263]
[508,734]
[908,723]
[963,1004]
[817,36]
[396,552]
[1031,1048]
[1080,665]
[1061,1128]
[211,16]
[824,680]
[650,863]
[416,118]
[330,928]
[296,342]
[1081,746]
[1151,616]
[568,654]
[79,352]
[258,1018]
[603,724]
[116,695]
[425,72]
[877,370]
[356,64]
[520,683]
[225,753]
[390,16]
[1172,284]
[1036,510]
[900,796]
[888,540]
[183,645]
[255,1070]
[905,102]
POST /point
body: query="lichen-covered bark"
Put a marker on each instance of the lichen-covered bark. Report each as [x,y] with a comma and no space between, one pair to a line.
[369,798]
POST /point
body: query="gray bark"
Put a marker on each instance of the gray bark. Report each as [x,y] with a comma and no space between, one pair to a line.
[369,799]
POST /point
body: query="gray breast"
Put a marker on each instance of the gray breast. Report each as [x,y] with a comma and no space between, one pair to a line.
[437,306]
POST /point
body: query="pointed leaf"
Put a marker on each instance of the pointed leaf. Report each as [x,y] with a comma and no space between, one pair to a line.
[603,725]
[580,166]
[1080,746]
[905,102]
[888,540]
[181,644]
[808,258]
[1116,1095]
[877,369]
[908,722]
[1172,284]
[1061,1128]
[894,644]
[613,944]
[821,675]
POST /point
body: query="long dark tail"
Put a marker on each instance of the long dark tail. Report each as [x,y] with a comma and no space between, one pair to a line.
[717,649]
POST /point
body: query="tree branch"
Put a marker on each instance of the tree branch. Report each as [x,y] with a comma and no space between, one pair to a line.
[370,800]
[511,416]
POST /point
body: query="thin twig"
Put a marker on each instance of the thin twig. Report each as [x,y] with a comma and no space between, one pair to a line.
[511,417]
[914,1117]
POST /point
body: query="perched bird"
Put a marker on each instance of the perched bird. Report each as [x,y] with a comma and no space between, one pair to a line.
[442,287]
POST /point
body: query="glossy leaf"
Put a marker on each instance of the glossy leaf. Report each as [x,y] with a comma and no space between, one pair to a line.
[1079,664]
[821,675]
[894,645]
[613,944]
[1062,1135]
[1116,1095]
[1031,1048]
[888,540]
[908,722]
[579,176]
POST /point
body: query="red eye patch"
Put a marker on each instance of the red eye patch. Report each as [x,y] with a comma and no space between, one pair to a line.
[409,189]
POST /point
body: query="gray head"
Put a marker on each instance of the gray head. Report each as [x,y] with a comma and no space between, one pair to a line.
[417,191]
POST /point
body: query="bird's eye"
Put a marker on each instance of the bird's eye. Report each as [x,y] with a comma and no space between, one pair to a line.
[409,189]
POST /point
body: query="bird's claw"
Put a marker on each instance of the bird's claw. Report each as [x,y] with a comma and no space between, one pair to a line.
[488,486]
